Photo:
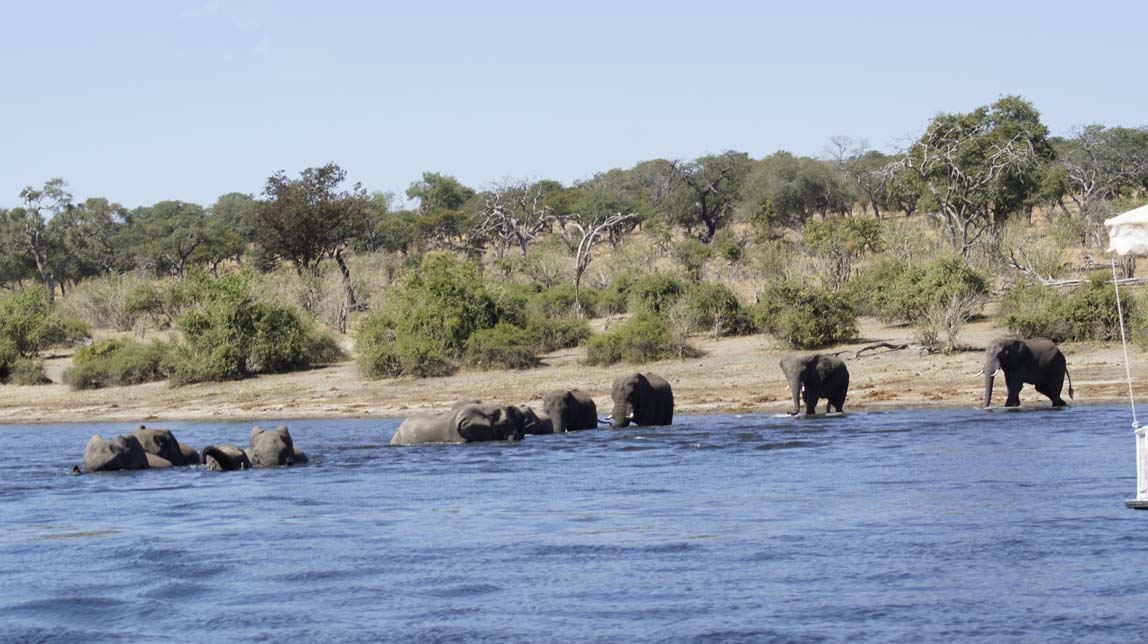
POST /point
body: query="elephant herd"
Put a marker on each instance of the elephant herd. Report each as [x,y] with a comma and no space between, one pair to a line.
[1033,361]
[639,399]
[147,448]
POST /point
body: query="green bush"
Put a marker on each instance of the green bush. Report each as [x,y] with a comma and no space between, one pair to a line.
[117,362]
[714,308]
[615,297]
[643,338]
[429,315]
[692,254]
[558,301]
[228,334]
[1088,312]
[503,347]
[892,290]
[804,317]
[30,323]
[655,293]
[25,371]
[548,335]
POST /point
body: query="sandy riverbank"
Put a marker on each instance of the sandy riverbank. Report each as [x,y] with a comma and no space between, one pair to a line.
[736,375]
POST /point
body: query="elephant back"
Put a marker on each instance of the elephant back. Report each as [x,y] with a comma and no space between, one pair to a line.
[122,453]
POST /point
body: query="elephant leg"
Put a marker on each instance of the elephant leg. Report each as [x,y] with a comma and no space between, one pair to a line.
[1051,387]
[810,403]
[837,402]
[1013,384]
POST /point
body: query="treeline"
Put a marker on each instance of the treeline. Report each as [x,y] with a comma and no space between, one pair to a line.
[800,228]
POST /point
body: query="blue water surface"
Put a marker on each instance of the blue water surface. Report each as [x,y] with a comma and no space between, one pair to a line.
[921,525]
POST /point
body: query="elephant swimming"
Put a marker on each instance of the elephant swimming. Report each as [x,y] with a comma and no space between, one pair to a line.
[464,422]
[225,458]
[163,449]
[643,399]
[813,377]
[273,448]
[570,410]
[122,453]
[1036,361]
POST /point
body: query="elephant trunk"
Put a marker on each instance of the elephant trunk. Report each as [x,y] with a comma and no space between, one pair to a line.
[989,375]
[621,414]
[795,389]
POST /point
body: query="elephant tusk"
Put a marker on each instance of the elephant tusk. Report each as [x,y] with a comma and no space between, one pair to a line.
[979,373]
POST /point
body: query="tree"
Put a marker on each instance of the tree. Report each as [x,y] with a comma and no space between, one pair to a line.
[516,212]
[91,238]
[232,218]
[864,167]
[436,192]
[711,186]
[169,235]
[980,165]
[306,219]
[39,240]
[786,189]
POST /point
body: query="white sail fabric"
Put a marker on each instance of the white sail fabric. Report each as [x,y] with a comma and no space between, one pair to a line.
[1128,233]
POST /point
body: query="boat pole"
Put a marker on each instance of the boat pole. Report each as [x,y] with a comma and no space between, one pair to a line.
[1141,501]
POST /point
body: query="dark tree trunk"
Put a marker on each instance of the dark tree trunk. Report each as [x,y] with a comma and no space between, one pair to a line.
[352,304]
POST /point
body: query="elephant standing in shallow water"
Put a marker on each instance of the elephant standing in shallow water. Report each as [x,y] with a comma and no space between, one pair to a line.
[1036,361]
[644,399]
[570,410]
[268,448]
[465,422]
[813,377]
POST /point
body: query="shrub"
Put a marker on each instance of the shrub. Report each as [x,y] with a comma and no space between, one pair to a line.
[431,313]
[229,335]
[117,362]
[105,301]
[502,347]
[692,254]
[892,290]
[1087,313]
[548,335]
[558,301]
[655,293]
[643,338]
[615,297]
[29,323]
[25,371]
[806,318]
[714,308]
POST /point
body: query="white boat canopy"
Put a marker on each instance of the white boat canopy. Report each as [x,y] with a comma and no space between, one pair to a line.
[1128,233]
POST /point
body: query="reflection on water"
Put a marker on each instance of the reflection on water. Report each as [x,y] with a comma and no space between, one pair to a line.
[907,525]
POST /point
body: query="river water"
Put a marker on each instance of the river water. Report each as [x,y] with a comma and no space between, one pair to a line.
[916,525]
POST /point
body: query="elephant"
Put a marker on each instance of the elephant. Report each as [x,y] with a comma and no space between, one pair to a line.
[1036,361]
[813,377]
[570,410]
[533,423]
[225,458]
[122,453]
[273,448]
[464,422]
[163,449]
[644,399]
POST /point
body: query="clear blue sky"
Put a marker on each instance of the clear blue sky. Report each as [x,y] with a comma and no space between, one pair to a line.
[143,101]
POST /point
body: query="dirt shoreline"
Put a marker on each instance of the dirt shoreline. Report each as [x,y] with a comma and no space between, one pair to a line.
[736,376]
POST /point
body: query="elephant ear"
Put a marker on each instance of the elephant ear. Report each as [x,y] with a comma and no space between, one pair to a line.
[255,431]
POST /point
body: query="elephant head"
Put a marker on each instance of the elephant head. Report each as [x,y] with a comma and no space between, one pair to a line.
[532,423]
[570,410]
[122,453]
[162,444]
[273,448]
[225,458]
[644,399]
[477,422]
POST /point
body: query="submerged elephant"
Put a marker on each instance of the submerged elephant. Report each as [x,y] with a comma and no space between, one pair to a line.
[814,377]
[643,399]
[570,410]
[534,423]
[163,449]
[465,422]
[122,453]
[225,458]
[273,448]
[1036,361]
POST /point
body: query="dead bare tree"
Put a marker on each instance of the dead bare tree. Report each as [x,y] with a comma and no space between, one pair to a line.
[515,213]
[592,232]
